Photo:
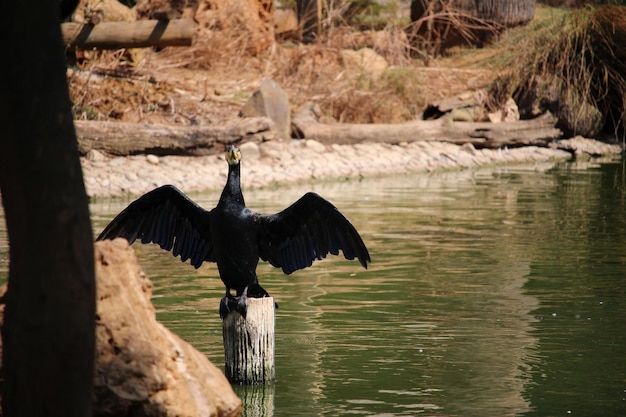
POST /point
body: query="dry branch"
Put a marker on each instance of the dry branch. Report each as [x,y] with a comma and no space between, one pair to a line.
[138,34]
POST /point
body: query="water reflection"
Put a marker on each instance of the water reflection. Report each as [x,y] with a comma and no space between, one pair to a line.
[496,292]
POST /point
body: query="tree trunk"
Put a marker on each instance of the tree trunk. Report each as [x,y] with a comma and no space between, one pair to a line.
[507,13]
[441,24]
[48,332]
[309,15]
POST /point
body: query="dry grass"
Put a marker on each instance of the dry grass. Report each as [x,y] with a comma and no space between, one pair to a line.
[224,66]
[107,86]
[573,64]
[570,62]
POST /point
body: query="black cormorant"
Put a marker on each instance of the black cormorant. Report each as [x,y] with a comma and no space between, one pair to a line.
[236,237]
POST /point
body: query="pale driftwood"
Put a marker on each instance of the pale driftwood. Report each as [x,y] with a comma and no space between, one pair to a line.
[119,138]
[539,131]
[249,343]
[138,34]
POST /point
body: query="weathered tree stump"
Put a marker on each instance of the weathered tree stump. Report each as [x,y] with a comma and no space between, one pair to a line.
[249,343]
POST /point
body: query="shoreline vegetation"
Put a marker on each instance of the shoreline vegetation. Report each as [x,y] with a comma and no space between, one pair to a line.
[354,76]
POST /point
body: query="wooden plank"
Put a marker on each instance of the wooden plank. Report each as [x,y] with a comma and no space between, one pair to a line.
[138,34]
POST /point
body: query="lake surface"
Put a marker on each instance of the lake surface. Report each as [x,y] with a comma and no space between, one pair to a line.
[493,292]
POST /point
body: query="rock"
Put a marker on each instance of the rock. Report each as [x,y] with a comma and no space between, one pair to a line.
[142,368]
[508,113]
[285,22]
[270,100]
[465,114]
[153,159]
[364,62]
[465,107]
[579,145]
[95,156]
[315,145]
[102,11]
[469,148]
[251,151]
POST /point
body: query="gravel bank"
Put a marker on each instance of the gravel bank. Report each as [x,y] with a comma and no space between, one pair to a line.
[281,162]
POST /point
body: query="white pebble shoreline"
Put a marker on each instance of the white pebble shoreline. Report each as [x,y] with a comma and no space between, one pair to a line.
[275,162]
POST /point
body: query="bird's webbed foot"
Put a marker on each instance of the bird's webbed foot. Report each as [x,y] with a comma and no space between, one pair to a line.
[256,291]
[231,303]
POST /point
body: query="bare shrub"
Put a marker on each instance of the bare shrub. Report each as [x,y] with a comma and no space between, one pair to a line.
[574,66]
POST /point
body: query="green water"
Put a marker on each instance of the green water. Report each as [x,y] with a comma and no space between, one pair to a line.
[498,292]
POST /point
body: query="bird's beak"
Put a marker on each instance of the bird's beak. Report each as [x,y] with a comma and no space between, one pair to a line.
[233,155]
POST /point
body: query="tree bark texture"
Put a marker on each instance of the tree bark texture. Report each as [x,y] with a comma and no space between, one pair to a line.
[441,24]
[249,343]
[118,138]
[138,34]
[48,332]
[507,13]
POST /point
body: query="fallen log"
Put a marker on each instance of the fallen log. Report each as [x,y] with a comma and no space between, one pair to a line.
[539,131]
[118,138]
[138,34]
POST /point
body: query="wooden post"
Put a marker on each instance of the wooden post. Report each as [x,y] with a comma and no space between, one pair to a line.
[249,343]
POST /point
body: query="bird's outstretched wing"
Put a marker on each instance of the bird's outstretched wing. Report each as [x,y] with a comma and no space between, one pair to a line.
[309,229]
[168,217]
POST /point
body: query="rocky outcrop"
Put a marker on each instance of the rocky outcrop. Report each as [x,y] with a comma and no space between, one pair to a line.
[272,101]
[143,369]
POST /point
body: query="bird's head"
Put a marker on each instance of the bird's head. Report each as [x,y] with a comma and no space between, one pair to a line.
[233,155]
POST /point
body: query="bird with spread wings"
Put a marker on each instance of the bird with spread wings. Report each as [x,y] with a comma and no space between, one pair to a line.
[236,237]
